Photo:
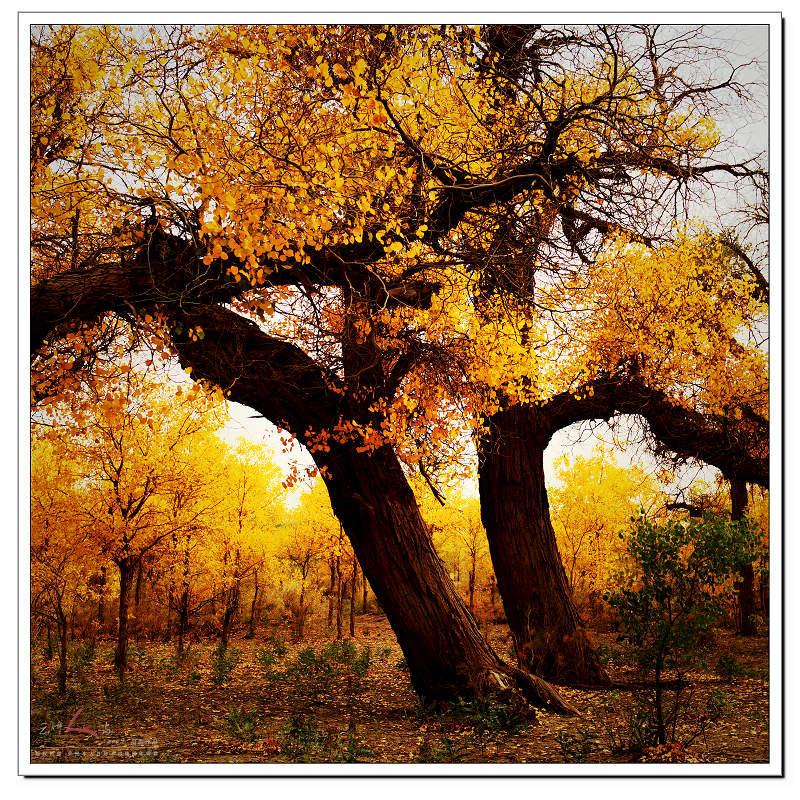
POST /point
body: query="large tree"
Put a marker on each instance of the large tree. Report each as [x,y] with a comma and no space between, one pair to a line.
[328,183]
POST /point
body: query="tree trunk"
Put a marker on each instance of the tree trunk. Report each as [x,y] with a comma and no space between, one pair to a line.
[48,652]
[126,566]
[353,597]
[300,619]
[446,653]
[137,595]
[251,631]
[183,618]
[746,599]
[364,588]
[61,625]
[331,589]
[101,603]
[548,634]
[339,598]
[471,584]
[231,606]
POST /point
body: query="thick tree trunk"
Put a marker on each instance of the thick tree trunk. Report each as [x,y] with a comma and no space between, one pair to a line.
[137,595]
[746,599]
[48,651]
[548,634]
[446,653]
[231,607]
[471,582]
[121,653]
[364,588]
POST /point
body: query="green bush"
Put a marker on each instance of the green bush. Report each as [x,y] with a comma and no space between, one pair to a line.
[489,715]
[679,579]
[241,724]
[82,656]
[338,663]
[717,704]
[349,749]
[278,644]
[577,746]
[267,657]
[729,668]
[301,739]
[223,662]
[443,750]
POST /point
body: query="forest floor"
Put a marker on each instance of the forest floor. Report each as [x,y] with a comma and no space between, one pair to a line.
[276,706]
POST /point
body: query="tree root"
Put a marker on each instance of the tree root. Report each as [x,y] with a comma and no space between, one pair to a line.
[512,684]
[541,694]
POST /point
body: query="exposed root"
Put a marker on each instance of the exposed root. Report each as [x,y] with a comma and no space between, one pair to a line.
[512,684]
[541,694]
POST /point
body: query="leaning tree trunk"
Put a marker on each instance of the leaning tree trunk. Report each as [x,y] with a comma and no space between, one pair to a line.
[444,649]
[548,634]
[446,653]
[746,599]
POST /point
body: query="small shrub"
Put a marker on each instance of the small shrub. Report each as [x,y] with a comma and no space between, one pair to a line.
[278,644]
[607,654]
[223,662]
[490,716]
[577,746]
[194,676]
[241,724]
[82,656]
[729,668]
[350,749]
[444,750]
[402,664]
[717,704]
[316,674]
[301,739]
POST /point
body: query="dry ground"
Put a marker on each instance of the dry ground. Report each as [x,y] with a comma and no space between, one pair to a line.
[172,712]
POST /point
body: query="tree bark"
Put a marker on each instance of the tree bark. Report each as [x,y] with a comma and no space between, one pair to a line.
[137,595]
[101,603]
[126,566]
[444,649]
[548,634]
[339,598]
[61,626]
[183,618]
[746,597]
[353,597]
[251,630]
[331,590]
